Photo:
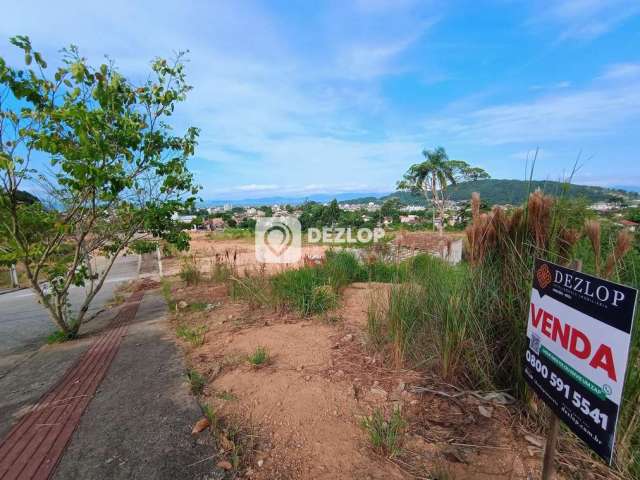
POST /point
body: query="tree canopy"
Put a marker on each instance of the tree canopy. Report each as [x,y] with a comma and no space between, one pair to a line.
[100,153]
[435,174]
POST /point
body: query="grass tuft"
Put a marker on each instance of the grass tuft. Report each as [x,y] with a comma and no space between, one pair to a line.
[189,271]
[259,357]
[196,382]
[194,335]
[60,337]
[385,435]
[211,415]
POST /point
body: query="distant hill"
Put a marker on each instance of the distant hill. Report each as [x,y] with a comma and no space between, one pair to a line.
[23,197]
[513,192]
[282,200]
[491,191]
[26,197]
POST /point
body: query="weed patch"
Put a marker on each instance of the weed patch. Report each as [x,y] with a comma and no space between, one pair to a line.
[196,382]
[189,271]
[59,337]
[259,357]
[211,415]
[226,396]
[385,435]
[165,287]
[194,335]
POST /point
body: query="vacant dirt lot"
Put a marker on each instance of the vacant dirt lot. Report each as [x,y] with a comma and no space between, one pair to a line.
[305,406]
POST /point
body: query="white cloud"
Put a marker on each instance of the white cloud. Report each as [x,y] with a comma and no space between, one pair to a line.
[270,110]
[593,112]
[529,155]
[622,71]
[254,186]
[585,19]
[553,86]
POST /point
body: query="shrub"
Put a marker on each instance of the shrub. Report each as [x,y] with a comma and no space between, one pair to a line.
[255,289]
[376,319]
[312,290]
[297,288]
[142,246]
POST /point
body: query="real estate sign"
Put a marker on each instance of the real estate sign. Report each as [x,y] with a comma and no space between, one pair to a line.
[579,331]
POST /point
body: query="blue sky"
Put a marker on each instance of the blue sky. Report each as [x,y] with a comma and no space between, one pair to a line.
[296,98]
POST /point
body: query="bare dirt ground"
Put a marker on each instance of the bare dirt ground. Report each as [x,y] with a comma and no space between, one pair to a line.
[239,252]
[306,405]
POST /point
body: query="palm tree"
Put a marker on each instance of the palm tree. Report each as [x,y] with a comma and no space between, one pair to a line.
[432,177]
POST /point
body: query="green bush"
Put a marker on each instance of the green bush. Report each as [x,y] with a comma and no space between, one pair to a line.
[142,246]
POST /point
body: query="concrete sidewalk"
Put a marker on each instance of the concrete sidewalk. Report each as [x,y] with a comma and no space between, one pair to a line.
[138,423]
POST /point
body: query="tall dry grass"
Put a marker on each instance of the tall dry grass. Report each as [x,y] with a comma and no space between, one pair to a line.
[502,250]
[469,321]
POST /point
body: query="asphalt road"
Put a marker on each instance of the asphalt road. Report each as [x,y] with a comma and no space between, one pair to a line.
[25,324]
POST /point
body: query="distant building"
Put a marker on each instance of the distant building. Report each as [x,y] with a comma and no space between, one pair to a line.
[632,226]
[214,224]
[409,219]
[187,219]
[604,207]
[413,208]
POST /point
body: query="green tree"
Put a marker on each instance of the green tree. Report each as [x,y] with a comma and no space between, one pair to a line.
[390,207]
[633,215]
[331,213]
[101,151]
[432,177]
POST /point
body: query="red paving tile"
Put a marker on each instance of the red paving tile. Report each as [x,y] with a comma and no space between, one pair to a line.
[34,446]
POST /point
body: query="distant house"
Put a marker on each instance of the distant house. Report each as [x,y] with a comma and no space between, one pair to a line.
[632,226]
[213,224]
[186,219]
[603,207]
[238,217]
[409,219]
[413,208]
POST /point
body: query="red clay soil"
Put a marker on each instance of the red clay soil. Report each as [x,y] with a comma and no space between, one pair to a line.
[34,446]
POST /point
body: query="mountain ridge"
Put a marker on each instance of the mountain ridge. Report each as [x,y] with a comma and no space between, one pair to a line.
[492,191]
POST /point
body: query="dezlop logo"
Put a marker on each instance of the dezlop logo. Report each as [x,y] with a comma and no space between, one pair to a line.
[278,240]
[544,276]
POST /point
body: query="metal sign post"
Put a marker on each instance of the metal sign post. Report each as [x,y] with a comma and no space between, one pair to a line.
[548,466]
